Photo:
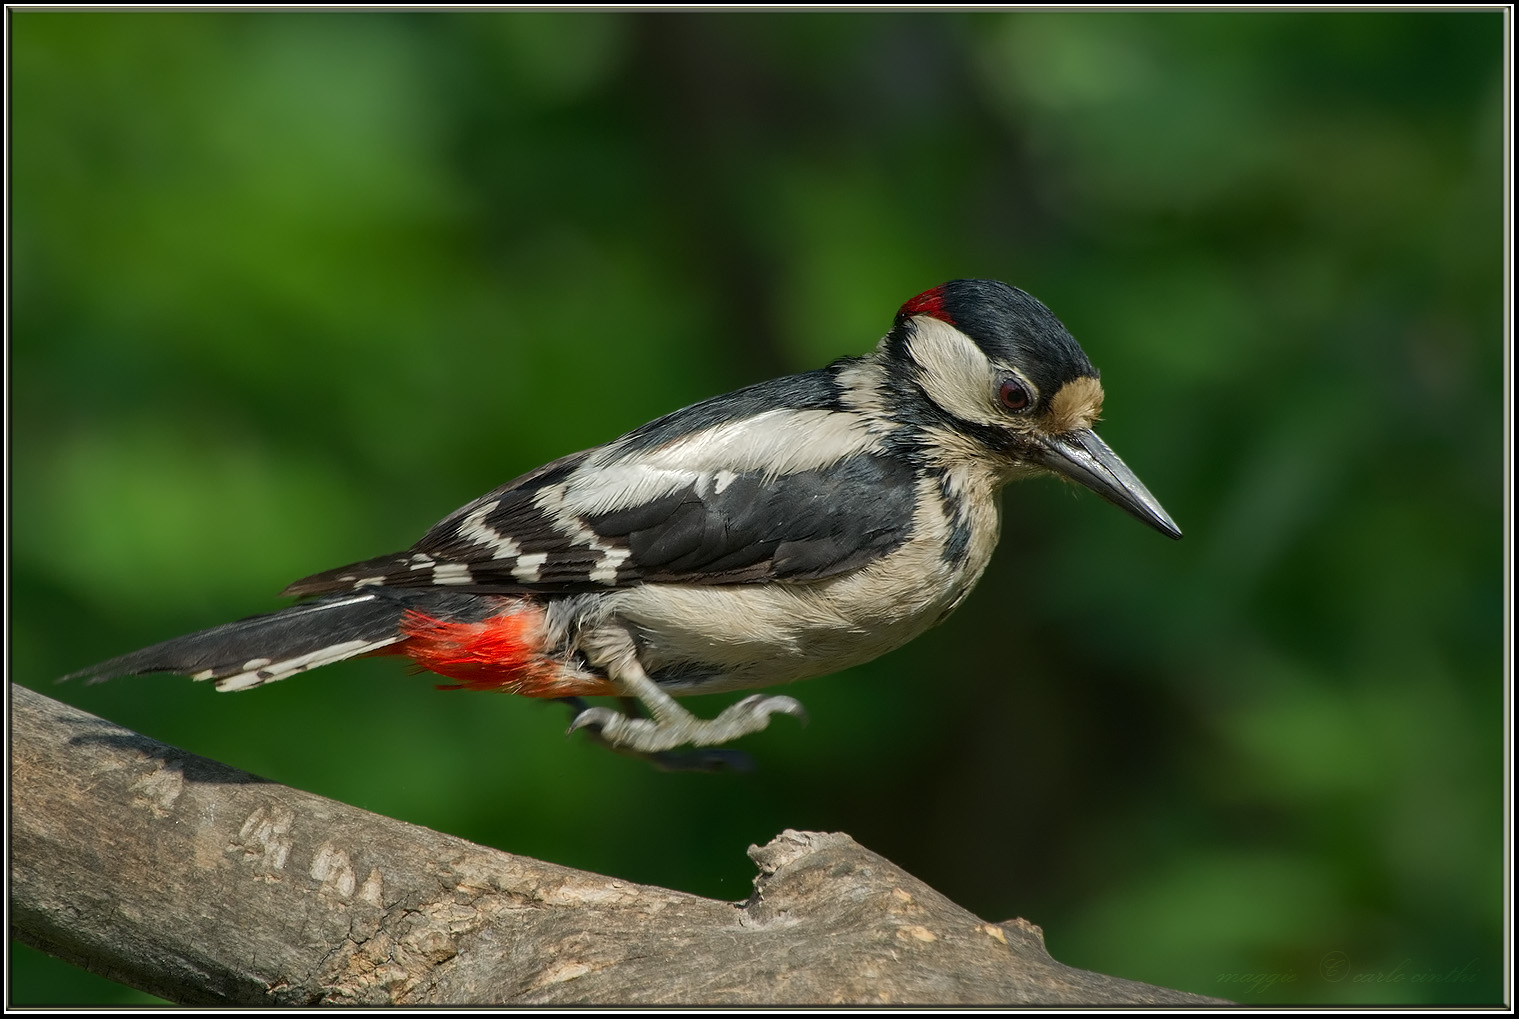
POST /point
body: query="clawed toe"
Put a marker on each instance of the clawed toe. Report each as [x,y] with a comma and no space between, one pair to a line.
[761,705]
[653,738]
[618,731]
[597,719]
[638,736]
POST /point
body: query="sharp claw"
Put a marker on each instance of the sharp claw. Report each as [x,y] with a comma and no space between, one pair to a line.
[759,704]
[790,706]
[599,717]
[618,731]
[654,738]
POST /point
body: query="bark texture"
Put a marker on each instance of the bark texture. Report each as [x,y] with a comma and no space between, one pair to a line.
[206,885]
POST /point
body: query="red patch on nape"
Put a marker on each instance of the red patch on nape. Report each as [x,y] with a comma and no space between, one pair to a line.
[929,302]
[502,653]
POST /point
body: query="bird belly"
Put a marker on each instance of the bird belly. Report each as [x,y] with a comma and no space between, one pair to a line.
[713,638]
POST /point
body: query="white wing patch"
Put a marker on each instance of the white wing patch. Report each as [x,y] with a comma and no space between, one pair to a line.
[615,487]
[774,442]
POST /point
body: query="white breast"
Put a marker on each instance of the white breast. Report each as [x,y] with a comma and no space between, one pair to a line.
[739,636]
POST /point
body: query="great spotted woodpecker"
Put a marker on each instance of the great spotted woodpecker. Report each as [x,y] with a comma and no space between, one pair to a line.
[790,529]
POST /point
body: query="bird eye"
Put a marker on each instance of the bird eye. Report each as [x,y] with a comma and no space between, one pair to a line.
[1014,395]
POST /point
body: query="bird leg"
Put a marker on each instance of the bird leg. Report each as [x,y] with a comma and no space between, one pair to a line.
[669,724]
[711,759]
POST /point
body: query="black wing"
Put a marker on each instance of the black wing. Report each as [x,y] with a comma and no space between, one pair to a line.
[783,494]
[719,527]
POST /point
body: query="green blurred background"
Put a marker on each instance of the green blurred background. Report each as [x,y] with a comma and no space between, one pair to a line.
[289,287]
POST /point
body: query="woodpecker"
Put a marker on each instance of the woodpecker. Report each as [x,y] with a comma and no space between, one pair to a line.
[790,529]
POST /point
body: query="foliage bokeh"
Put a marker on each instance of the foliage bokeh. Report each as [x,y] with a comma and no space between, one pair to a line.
[288,287]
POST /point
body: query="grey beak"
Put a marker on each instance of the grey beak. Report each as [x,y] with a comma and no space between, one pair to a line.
[1086,459]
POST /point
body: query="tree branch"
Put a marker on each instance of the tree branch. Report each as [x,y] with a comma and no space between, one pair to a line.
[206,885]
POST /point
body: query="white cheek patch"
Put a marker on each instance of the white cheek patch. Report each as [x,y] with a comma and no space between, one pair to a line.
[954,372]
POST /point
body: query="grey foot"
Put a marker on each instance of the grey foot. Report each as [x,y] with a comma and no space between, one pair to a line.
[708,760]
[678,727]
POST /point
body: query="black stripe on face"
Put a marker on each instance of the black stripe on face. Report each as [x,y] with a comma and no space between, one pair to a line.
[958,542]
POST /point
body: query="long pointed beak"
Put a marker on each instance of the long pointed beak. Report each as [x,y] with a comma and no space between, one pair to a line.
[1084,458]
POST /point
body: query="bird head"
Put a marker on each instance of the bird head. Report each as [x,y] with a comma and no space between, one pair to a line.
[997,378]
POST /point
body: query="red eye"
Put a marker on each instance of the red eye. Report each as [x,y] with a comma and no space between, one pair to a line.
[1013,395]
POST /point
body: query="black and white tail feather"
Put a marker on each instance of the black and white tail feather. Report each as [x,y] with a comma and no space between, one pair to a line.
[276,645]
